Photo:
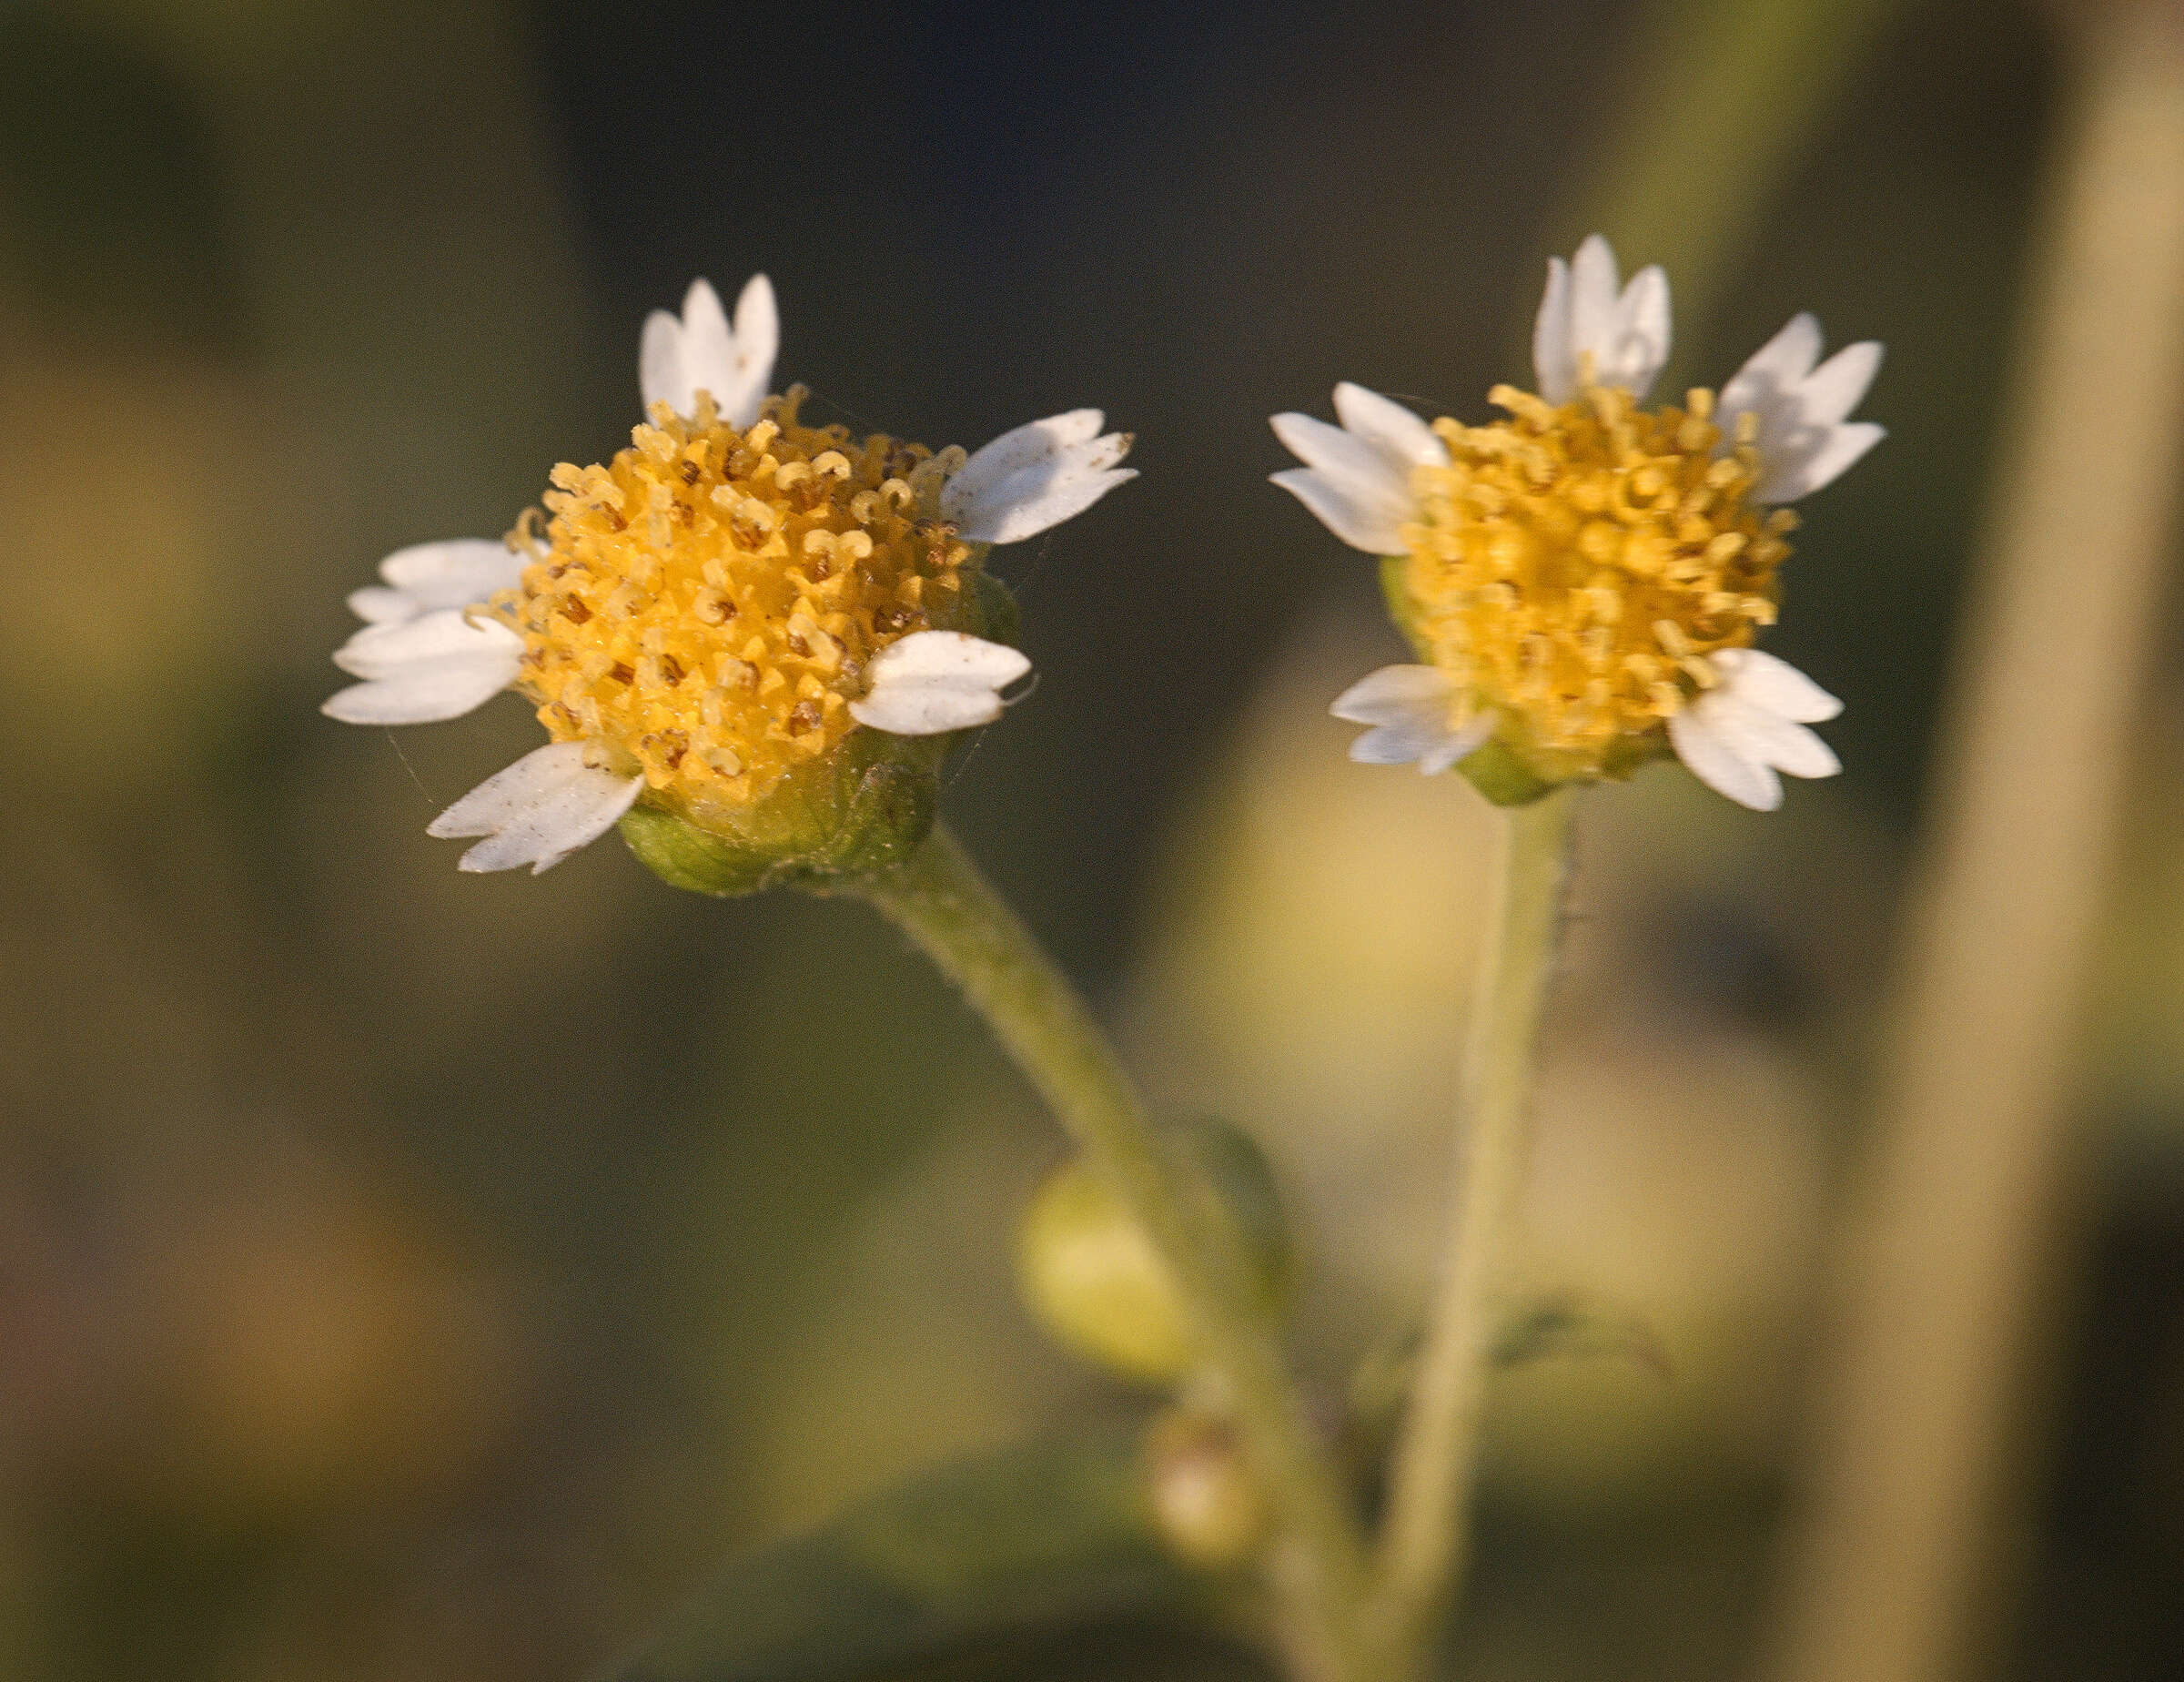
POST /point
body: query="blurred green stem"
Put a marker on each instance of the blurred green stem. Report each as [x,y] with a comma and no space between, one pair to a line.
[1317,1567]
[1423,1548]
[1920,1471]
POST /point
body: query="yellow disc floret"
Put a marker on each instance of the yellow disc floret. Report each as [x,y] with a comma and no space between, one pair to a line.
[707,602]
[1571,567]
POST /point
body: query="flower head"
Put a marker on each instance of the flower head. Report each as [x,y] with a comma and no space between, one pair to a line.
[754,627]
[1584,578]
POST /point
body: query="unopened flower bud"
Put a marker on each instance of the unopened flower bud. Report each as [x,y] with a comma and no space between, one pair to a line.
[1090,1275]
[1206,1503]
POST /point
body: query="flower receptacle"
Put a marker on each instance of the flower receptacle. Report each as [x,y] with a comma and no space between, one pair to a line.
[865,807]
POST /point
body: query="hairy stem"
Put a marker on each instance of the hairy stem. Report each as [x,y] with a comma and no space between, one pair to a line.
[1423,1547]
[1317,1567]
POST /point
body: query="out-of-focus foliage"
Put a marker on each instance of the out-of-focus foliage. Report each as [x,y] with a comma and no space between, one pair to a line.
[967,1566]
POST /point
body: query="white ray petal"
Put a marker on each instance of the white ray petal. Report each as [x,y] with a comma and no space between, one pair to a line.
[1803,471]
[1459,746]
[427,577]
[1388,427]
[428,692]
[1554,362]
[1407,707]
[1391,693]
[1036,476]
[421,670]
[1588,317]
[444,569]
[1826,395]
[1643,324]
[757,345]
[1345,458]
[1801,434]
[1595,306]
[1773,370]
[1363,474]
[382,649]
[1029,445]
[1766,738]
[539,810]
[1775,683]
[938,681]
[708,346]
[677,357]
[1370,527]
[660,363]
[1714,760]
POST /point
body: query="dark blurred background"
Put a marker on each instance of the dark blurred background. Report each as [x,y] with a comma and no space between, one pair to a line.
[404,1274]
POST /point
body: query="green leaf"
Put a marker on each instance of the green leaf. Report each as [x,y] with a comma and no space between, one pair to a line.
[979,1554]
[1563,1326]
[1551,1327]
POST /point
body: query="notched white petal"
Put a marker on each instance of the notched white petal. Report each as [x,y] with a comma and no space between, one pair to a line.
[1643,323]
[1407,707]
[1801,430]
[1765,738]
[1018,448]
[1735,737]
[430,693]
[1592,301]
[1711,758]
[1766,680]
[708,347]
[1774,368]
[1586,316]
[1349,462]
[938,681]
[757,345]
[1036,476]
[1391,693]
[541,809]
[1388,427]
[1357,482]
[1552,363]
[1805,471]
[660,363]
[1458,745]
[382,649]
[425,669]
[426,577]
[1839,385]
[1369,526]
[677,357]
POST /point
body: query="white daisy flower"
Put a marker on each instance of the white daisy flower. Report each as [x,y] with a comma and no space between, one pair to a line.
[1584,579]
[714,612]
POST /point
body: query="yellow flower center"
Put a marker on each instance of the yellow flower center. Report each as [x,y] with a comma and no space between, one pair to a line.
[708,602]
[1571,567]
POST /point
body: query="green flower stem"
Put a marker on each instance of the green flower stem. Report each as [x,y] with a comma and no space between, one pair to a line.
[1423,1547]
[1317,1566]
